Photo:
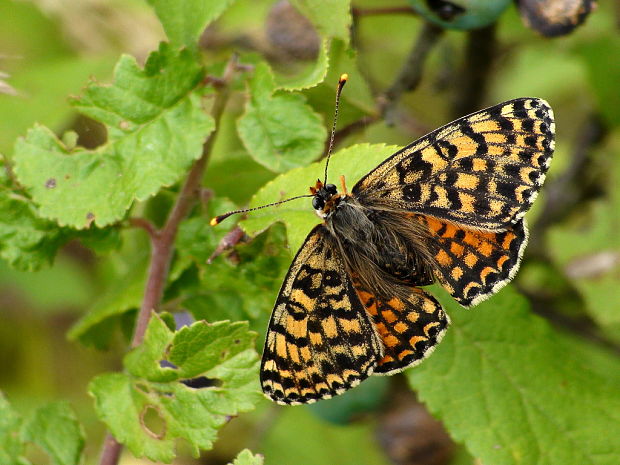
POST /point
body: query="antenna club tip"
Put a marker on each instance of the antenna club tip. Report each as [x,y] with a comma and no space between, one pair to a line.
[218,219]
[343,78]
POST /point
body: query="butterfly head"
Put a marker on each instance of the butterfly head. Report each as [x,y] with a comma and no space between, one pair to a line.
[325,198]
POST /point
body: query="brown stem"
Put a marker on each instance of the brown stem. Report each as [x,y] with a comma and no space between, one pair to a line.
[410,74]
[474,79]
[351,128]
[161,253]
[163,241]
[111,451]
[145,224]
[232,238]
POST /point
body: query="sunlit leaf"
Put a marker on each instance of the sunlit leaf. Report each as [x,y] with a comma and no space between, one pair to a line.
[515,391]
[156,127]
[331,17]
[279,131]
[185,20]
[246,457]
[149,408]
[298,215]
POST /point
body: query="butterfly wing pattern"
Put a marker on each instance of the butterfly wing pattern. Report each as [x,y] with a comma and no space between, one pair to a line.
[472,265]
[321,341]
[483,170]
[409,328]
[464,189]
[471,181]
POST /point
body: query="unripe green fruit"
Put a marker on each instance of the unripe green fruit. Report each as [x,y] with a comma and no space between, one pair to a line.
[460,14]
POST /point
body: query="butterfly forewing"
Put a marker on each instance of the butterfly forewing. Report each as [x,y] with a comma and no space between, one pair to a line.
[320,340]
[409,328]
[483,170]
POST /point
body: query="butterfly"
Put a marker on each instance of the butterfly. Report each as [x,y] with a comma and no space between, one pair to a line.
[448,208]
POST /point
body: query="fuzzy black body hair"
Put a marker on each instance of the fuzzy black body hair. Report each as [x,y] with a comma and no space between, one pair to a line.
[385,250]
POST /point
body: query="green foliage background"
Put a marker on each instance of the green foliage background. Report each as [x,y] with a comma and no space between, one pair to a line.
[107,109]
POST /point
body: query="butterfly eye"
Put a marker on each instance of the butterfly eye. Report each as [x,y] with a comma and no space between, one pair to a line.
[331,188]
[318,203]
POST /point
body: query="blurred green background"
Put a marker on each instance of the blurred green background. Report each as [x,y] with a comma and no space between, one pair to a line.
[571,272]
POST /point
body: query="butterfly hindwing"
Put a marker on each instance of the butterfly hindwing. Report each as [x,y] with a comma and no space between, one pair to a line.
[320,340]
[471,264]
[409,328]
[483,170]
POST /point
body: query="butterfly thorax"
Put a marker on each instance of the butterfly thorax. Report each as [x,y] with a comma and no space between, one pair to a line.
[382,249]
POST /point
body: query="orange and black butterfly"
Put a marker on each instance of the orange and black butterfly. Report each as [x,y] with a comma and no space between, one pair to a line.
[447,208]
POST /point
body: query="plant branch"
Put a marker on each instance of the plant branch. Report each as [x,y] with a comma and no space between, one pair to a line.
[575,185]
[111,451]
[232,238]
[571,187]
[162,244]
[145,224]
[351,128]
[474,79]
[410,74]
[162,241]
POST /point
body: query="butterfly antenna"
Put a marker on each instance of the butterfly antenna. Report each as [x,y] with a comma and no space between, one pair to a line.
[218,219]
[341,82]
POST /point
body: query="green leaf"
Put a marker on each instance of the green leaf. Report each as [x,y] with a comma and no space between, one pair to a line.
[156,128]
[279,131]
[27,242]
[236,175]
[246,457]
[148,408]
[298,216]
[356,100]
[310,77]
[11,446]
[515,391]
[197,239]
[184,21]
[332,18]
[244,288]
[56,430]
[97,326]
